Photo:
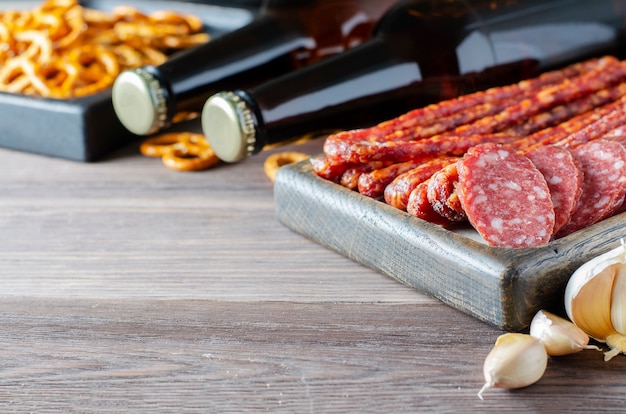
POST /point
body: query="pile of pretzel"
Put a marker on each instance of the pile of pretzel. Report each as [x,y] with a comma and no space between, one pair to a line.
[64,50]
[477,158]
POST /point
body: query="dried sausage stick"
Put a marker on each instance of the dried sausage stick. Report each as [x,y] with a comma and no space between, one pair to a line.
[563,130]
[562,113]
[433,114]
[564,175]
[443,196]
[618,135]
[584,84]
[596,79]
[604,183]
[397,192]
[401,151]
[329,169]
[616,117]
[373,184]
[350,177]
[505,197]
[419,206]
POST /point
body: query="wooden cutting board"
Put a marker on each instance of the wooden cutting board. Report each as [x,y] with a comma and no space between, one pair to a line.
[503,287]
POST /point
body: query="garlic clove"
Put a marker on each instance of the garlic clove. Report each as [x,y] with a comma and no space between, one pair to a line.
[588,296]
[516,361]
[618,301]
[558,335]
[591,307]
[595,299]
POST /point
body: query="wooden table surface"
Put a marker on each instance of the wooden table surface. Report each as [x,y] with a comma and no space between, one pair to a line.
[128,287]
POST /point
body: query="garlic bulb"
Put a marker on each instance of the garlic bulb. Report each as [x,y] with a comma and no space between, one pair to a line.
[595,299]
[558,335]
[516,360]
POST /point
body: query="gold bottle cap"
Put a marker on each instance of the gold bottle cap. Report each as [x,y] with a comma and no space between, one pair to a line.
[139,102]
[228,125]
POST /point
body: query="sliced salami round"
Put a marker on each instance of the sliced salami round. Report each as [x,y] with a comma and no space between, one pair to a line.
[505,197]
[563,173]
[604,183]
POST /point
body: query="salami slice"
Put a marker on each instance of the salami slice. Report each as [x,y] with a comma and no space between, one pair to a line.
[604,183]
[563,173]
[505,197]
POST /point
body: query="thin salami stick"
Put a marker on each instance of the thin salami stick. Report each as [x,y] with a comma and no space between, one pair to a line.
[559,132]
[495,105]
[562,113]
[433,114]
[364,151]
[617,134]
[599,78]
[443,196]
[419,206]
[350,177]
[449,122]
[496,100]
[329,169]
[372,184]
[397,192]
[400,151]
[615,118]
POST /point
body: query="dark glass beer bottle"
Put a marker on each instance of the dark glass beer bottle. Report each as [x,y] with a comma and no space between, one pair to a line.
[421,52]
[285,36]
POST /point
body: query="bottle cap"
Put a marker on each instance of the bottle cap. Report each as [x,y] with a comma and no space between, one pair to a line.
[139,101]
[228,125]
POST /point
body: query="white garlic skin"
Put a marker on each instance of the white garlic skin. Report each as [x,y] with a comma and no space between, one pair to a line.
[595,299]
[516,361]
[558,335]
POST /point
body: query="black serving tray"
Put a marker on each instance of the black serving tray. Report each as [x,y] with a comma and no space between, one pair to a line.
[86,129]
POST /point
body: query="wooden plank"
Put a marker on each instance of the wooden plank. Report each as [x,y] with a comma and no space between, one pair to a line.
[206,356]
[128,227]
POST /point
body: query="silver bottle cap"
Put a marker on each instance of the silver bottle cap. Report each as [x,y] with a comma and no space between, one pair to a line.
[228,125]
[139,102]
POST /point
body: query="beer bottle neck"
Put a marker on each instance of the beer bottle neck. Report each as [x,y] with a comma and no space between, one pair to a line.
[146,99]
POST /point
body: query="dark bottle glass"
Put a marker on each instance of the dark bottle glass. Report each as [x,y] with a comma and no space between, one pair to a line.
[422,52]
[285,36]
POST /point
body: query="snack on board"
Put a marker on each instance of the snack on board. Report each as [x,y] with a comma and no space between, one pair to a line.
[563,129]
[64,50]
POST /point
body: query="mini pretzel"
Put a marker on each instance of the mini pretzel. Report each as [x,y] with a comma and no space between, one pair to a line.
[182,151]
[186,159]
[159,146]
[279,159]
[164,143]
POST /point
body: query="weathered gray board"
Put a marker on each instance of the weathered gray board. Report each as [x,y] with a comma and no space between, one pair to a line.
[503,287]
